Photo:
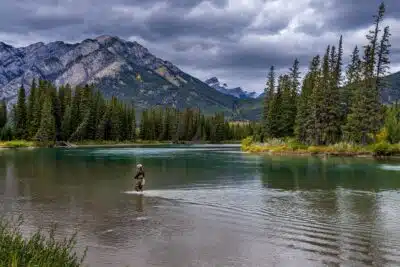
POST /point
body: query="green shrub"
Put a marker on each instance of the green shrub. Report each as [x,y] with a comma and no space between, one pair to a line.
[38,250]
[296,145]
[247,141]
[383,149]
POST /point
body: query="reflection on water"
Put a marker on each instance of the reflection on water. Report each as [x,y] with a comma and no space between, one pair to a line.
[209,206]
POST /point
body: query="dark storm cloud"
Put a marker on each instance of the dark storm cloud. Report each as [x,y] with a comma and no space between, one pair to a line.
[170,26]
[353,14]
[236,39]
[252,59]
[174,3]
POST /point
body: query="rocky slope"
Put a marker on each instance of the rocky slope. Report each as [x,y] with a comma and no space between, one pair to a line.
[121,68]
[236,92]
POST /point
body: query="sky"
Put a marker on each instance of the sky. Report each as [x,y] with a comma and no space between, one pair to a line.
[234,40]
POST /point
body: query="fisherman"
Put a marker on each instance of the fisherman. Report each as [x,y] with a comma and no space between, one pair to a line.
[139,177]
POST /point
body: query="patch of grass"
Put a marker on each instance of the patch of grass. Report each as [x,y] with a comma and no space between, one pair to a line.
[17,144]
[38,250]
[291,146]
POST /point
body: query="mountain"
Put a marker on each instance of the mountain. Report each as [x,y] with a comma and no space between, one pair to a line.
[236,92]
[117,67]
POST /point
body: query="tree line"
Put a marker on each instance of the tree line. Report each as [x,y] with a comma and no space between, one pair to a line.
[190,124]
[52,114]
[324,109]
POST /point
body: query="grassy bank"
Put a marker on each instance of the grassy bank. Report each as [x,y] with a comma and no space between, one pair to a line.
[38,250]
[291,147]
[17,144]
[95,143]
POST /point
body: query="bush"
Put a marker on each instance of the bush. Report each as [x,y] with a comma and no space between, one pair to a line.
[296,145]
[392,124]
[38,250]
[247,141]
[385,149]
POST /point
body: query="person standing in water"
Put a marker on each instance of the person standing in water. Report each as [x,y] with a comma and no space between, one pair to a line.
[139,177]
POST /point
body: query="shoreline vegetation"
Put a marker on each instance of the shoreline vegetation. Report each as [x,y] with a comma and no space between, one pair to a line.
[39,249]
[15,144]
[291,147]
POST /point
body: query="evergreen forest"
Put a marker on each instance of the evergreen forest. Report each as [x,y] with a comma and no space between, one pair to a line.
[51,114]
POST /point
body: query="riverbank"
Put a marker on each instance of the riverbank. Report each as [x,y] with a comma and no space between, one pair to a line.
[144,143]
[37,250]
[94,143]
[18,144]
[280,147]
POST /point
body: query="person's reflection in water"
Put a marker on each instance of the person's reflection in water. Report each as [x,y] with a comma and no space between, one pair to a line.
[139,203]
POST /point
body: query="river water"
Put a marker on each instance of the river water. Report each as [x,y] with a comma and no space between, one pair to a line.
[209,206]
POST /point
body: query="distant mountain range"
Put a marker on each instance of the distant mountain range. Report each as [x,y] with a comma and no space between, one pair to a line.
[121,68]
[129,71]
[236,92]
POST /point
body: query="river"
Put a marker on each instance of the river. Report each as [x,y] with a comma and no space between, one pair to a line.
[209,206]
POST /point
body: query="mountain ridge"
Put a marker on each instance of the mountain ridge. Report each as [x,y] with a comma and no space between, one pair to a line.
[237,92]
[117,67]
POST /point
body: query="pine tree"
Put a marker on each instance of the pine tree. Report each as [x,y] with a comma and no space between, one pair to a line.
[383,59]
[333,117]
[96,101]
[303,110]
[167,132]
[372,46]
[361,120]
[37,108]
[353,76]
[76,115]
[366,117]
[295,83]
[143,125]
[56,110]
[3,114]
[133,124]
[32,124]
[66,125]
[47,130]
[104,126]
[21,115]
[284,113]
[268,99]
[315,101]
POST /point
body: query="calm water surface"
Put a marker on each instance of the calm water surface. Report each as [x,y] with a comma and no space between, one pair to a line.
[209,206]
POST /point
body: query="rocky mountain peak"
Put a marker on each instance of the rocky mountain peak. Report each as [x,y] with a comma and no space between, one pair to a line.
[212,80]
[237,92]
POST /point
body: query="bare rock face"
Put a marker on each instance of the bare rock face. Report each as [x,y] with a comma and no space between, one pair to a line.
[117,67]
[236,92]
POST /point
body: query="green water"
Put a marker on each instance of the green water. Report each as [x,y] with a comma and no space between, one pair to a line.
[209,206]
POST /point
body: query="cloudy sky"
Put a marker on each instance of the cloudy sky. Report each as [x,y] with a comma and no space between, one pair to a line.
[235,40]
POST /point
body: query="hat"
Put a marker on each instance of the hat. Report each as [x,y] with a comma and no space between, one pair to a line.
[139,166]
